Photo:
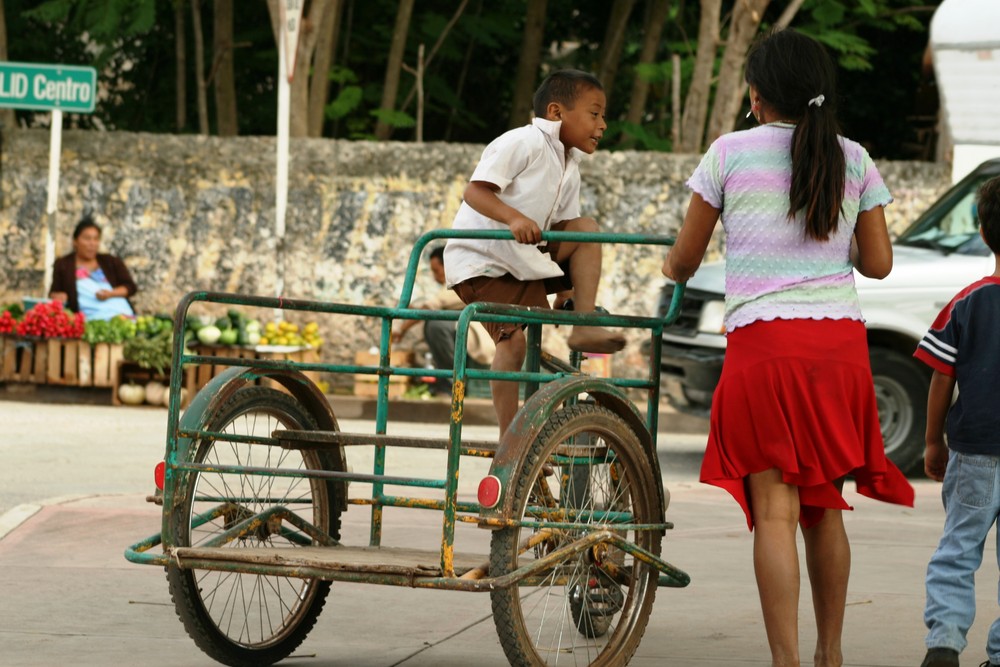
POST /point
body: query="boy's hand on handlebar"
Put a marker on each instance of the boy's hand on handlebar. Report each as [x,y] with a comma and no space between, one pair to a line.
[525,230]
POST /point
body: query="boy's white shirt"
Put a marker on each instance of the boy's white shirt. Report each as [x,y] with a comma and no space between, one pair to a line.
[529,166]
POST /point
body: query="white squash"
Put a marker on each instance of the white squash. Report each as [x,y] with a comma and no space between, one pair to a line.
[132,394]
[155,391]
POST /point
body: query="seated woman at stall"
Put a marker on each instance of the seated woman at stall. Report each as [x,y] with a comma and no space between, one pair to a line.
[90,282]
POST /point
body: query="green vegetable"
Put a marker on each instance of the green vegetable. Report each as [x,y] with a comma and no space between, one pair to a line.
[16,310]
[228,337]
[192,323]
[209,335]
[116,330]
[152,353]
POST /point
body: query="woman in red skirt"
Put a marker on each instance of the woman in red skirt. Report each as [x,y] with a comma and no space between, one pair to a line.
[794,412]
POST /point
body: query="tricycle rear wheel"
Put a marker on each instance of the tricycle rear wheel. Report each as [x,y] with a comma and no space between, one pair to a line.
[592,608]
[241,618]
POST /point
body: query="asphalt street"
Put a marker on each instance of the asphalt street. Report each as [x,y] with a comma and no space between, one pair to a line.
[73,482]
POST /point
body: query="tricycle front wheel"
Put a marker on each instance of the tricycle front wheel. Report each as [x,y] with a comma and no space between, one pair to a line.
[591,609]
[240,618]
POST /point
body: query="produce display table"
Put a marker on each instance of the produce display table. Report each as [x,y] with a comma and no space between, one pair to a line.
[58,361]
[48,345]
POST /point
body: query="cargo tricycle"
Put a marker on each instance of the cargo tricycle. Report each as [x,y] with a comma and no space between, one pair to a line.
[256,482]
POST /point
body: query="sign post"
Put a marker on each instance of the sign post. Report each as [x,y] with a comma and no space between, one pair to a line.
[290,17]
[55,88]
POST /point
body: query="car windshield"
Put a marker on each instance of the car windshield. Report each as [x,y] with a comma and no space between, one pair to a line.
[952,226]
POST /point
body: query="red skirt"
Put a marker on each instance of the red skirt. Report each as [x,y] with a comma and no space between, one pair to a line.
[797,395]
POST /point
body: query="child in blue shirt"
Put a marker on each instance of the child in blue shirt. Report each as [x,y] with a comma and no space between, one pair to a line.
[963,348]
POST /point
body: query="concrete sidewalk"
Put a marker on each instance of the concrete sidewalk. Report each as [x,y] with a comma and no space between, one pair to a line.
[69,596]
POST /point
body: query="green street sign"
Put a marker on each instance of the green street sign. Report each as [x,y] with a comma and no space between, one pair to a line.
[48,87]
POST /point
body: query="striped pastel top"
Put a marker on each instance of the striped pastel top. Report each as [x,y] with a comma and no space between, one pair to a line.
[774,270]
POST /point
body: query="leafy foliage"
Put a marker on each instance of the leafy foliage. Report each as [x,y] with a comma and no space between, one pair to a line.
[468,84]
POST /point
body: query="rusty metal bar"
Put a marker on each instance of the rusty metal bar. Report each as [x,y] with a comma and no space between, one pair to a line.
[312,474]
[318,439]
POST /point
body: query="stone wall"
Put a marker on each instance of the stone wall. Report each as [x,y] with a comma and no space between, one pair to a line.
[191,213]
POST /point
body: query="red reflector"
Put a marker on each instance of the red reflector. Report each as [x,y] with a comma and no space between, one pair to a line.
[158,474]
[489,491]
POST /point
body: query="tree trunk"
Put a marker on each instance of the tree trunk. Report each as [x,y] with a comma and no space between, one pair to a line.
[394,66]
[462,76]
[527,66]
[434,49]
[614,39]
[788,15]
[199,66]
[325,56]
[696,104]
[655,18]
[311,20]
[180,55]
[8,121]
[731,88]
[675,101]
[223,77]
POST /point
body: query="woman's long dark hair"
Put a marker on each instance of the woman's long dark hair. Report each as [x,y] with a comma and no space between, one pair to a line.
[795,77]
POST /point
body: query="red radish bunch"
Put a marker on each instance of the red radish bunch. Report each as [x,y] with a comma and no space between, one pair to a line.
[7,322]
[51,320]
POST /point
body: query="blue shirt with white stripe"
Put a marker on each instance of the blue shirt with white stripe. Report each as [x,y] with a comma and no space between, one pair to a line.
[964,343]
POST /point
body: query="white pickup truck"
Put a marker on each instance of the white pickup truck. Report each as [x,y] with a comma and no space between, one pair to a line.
[939,254]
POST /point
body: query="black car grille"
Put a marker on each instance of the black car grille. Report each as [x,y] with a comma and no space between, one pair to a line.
[686,323]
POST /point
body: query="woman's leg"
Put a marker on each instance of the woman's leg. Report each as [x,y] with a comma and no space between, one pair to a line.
[828,560]
[775,508]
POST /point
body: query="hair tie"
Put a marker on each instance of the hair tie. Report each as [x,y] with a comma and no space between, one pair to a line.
[818,101]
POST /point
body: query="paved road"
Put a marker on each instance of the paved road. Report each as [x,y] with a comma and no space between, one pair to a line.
[72,486]
[61,451]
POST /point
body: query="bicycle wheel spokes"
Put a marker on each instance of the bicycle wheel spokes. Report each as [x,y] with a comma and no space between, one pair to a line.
[242,617]
[592,607]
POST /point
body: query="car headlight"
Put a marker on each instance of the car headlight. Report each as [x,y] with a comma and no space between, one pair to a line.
[712,317]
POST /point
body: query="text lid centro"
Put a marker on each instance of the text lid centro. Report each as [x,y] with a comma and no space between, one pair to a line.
[48,87]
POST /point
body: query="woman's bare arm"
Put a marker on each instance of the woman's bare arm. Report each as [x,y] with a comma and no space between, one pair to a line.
[688,251]
[871,249]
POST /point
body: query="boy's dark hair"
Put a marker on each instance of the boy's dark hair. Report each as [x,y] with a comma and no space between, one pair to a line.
[562,86]
[794,75]
[988,212]
[436,253]
[86,222]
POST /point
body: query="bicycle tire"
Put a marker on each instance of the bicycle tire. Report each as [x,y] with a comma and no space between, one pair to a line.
[276,612]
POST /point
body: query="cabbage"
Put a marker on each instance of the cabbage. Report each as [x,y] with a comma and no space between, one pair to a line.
[209,335]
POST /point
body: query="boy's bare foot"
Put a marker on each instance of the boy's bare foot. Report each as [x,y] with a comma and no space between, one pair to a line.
[595,339]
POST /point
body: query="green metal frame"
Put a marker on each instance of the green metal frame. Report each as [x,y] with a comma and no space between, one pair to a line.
[561,385]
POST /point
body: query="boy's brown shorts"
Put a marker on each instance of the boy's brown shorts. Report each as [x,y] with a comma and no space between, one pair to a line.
[510,290]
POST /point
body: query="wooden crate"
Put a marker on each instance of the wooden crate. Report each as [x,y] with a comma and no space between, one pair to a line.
[308,356]
[24,360]
[196,377]
[598,365]
[367,385]
[63,363]
[97,364]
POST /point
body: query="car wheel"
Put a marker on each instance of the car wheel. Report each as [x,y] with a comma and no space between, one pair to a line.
[901,393]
